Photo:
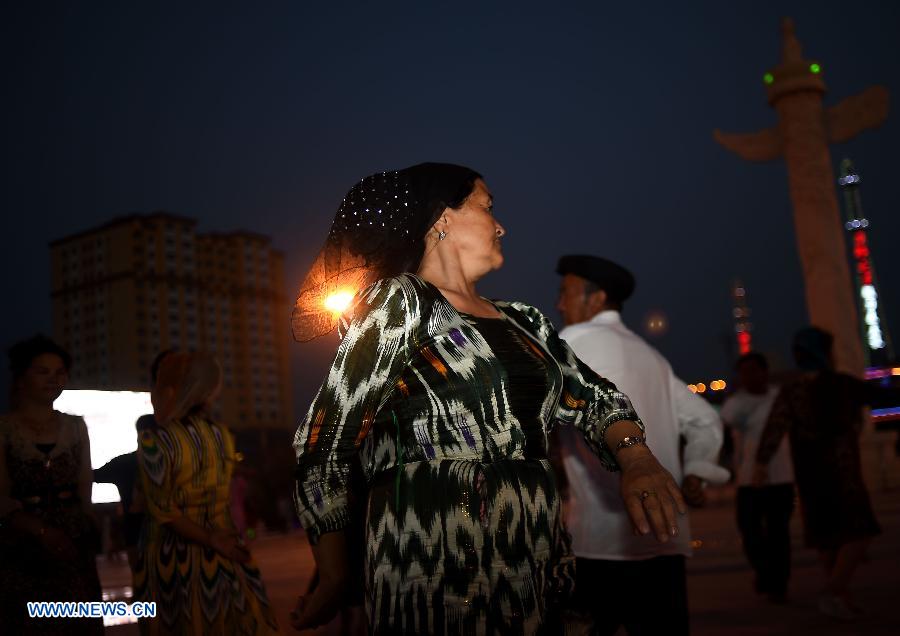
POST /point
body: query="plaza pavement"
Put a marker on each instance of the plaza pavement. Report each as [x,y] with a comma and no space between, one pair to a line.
[722,601]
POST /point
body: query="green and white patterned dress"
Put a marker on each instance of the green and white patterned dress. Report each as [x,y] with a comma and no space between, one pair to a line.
[450,416]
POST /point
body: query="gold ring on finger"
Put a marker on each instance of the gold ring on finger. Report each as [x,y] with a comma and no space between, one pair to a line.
[646,494]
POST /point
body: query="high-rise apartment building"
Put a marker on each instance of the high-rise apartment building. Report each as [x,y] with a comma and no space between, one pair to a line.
[141,284]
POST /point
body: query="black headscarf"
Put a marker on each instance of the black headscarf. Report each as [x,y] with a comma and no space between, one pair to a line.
[378,231]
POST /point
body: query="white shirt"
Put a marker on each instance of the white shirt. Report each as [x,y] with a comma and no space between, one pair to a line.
[746,414]
[596,517]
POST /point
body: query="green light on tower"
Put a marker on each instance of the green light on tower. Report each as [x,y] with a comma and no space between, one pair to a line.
[815,68]
[768,78]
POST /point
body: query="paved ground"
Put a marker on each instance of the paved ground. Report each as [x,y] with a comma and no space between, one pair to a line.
[720,583]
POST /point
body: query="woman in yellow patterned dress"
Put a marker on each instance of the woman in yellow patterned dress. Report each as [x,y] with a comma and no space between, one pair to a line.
[192,562]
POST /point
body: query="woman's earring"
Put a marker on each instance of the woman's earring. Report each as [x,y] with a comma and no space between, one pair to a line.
[442,235]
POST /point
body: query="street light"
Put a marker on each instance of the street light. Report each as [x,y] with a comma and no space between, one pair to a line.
[337,302]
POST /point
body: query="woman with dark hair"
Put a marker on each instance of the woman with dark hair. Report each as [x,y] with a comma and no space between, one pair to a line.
[48,537]
[822,414]
[447,400]
[191,561]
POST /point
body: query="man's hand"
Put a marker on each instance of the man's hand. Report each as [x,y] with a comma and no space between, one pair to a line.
[692,489]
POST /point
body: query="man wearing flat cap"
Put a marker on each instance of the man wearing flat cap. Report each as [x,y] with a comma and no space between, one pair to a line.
[618,569]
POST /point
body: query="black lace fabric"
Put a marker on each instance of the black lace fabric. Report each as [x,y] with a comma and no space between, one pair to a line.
[378,232]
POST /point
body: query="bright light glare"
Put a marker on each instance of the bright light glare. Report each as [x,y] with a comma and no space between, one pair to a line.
[338,301]
[870,303]
[701,388]
[110,418]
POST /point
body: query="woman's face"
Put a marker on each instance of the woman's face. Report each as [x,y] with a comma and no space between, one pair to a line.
[474,233]
[44,380]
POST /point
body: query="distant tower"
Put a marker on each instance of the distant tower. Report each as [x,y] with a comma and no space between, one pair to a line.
[877,343]
[742,324]
[802,137]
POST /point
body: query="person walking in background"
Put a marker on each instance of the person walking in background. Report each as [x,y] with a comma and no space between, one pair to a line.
[123,472]
[192,562]
[763,512]
[822,414]
[612,560]
[48,535]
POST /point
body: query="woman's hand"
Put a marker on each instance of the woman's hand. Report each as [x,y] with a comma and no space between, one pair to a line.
[57,543]
[650,494]
[228,543]
[321,604]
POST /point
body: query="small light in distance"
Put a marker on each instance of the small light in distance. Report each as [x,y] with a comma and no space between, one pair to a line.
[656,324]
[692,388]
[701,388]
[895,371]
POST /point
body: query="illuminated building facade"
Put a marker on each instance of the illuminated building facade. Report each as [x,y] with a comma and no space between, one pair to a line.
[141,284]
[876,341]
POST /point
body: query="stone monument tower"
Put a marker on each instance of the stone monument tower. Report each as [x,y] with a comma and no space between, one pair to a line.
[805,129]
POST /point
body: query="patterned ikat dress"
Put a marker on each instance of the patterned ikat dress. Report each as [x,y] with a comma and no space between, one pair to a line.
[186,469]
[450,415]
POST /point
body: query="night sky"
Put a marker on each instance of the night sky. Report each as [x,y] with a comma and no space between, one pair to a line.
[591,123]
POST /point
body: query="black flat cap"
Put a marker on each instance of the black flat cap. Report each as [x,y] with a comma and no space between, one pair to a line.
[615,280]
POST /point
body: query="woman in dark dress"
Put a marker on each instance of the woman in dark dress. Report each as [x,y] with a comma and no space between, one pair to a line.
[822,414]
[48,537]
[447,400]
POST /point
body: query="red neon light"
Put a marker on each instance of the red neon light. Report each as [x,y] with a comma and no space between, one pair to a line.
[861,254]
[743,339]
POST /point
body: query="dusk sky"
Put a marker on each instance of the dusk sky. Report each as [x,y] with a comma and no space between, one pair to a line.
[592,123]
